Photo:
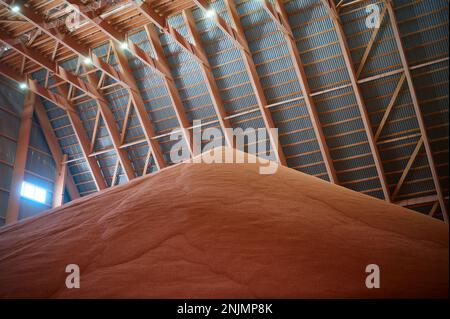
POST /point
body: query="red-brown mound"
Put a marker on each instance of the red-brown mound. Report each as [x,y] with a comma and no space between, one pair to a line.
[224,230]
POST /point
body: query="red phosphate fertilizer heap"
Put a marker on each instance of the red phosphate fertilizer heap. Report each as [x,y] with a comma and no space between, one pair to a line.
[225,231]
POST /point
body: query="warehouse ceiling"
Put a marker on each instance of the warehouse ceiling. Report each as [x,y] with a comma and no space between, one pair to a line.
[358,104]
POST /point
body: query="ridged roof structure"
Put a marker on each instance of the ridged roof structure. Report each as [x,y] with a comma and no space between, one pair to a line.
[357,104]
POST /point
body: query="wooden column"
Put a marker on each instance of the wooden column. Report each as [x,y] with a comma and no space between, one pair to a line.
[12,213]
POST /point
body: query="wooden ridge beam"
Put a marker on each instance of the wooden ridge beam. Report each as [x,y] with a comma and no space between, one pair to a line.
[279,15]
[346,54]
[417,109]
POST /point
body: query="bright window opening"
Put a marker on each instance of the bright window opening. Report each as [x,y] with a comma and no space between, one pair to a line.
[33,192]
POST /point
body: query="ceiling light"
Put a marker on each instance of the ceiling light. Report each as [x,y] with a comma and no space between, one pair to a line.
[87,61]
[15,8]
[23,86]
[211,13]
[124,46]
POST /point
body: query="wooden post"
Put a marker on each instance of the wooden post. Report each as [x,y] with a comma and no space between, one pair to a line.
[12,213]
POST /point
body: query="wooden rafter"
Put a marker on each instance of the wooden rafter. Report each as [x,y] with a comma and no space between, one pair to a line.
[88,88]
[110,123]
[52,67]
[418,111]
[254,80]
[236,34]
[83,141]
[331,9]
[279,15]
[54,147]
[197,52]
[209,79]
[158,65]
[139,106]
[60,100]
[169,82]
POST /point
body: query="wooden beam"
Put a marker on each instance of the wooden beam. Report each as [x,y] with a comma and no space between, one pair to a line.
[210,81]
[64,39]
[54,147]
[417,201]
[59,100]
[279,15]
[418,111]
[407,168]
[237,36]
[161,22]
[433,209]
[58,189]
[126,119]
[94,131]
[116,170]
[370,45]
[252,73]
[139,107]
[169,82]
[159,65]
[12,212]
[110,123]
[197,52]
[346,54]
[389,108]
[83,141]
